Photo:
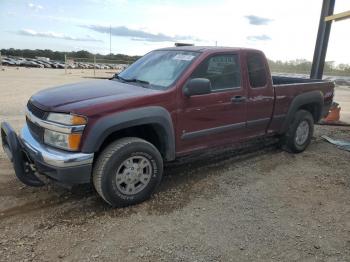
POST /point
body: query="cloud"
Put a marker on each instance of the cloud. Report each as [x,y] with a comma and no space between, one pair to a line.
[29,32]
[108,2]
[258,37]
[35,7]
[257,20]
[138,35]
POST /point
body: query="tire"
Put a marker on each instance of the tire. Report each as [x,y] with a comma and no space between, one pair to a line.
[299,133]
[127,171]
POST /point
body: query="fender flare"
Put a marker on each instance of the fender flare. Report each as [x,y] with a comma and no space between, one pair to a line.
[313,97]
[109,124]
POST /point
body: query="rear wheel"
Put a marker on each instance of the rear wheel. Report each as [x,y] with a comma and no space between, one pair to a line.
[127,172]
[299,133]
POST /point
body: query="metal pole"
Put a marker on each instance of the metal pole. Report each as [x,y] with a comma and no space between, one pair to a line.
[65,64]
[94,65]
[110,39]
[324,30]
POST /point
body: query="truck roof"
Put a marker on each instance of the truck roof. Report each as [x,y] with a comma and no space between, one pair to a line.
[202,49]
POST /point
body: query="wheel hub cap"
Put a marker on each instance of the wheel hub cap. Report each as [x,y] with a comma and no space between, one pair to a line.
[133,175]
[302,132]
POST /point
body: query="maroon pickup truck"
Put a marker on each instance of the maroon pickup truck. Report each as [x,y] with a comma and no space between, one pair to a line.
[171,102]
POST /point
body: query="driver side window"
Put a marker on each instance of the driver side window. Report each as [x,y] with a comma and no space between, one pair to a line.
[223,71]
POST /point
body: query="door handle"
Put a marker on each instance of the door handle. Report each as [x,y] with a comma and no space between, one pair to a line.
[238,99]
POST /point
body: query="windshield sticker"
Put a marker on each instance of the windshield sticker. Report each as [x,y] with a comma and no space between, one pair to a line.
[183,57]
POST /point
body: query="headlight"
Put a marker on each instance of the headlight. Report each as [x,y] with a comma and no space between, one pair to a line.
[66,119]
[64,141]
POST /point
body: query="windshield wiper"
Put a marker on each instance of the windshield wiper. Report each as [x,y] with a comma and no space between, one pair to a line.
[120,78]
[135,80]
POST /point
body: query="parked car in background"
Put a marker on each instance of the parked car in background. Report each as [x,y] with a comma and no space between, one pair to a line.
[40,63]
[8,62]
[30,63]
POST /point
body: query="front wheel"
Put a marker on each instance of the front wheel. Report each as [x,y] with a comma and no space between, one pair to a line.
[127,172]
[299,133]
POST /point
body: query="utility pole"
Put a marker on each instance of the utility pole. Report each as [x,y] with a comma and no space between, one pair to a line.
[110,39]
[65,64]
[94,65]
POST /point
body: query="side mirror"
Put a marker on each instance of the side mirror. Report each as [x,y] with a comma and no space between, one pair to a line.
[197,86]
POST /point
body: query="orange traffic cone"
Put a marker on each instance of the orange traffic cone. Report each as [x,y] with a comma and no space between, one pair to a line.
[334,114]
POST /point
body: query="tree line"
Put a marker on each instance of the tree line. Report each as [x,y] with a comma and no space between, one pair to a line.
[298,66]
[302,66]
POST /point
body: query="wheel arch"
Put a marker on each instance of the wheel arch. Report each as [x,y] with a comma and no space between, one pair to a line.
[311,101]
[152,124]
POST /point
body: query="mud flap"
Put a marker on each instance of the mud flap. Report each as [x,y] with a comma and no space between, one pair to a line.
[19,159]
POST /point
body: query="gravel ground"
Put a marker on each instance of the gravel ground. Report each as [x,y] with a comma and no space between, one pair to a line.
[254,204]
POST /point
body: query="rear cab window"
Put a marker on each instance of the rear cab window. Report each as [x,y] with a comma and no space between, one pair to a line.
[223,71]
[256,70]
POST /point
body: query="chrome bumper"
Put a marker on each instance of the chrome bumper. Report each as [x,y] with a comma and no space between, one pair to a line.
[52,157]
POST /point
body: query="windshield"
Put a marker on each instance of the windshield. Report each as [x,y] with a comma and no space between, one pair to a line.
[158,69]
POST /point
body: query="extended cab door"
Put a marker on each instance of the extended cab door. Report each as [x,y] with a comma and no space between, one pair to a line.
[260,93]
[216,118]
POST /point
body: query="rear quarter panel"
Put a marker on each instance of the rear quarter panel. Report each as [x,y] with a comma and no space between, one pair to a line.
[284,95]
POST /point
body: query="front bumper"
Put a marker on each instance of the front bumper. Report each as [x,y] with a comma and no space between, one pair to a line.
[62,166]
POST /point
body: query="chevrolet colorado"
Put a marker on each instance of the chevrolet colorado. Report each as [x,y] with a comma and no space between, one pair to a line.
[117,133]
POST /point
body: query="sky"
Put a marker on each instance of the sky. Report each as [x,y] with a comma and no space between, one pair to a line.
[283,29]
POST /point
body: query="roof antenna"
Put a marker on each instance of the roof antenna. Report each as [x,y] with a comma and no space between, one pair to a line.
[183,44]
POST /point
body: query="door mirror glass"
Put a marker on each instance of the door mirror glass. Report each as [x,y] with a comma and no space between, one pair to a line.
[197,86]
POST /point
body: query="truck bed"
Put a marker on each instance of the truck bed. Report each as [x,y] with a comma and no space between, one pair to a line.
[284,80]
[287,88]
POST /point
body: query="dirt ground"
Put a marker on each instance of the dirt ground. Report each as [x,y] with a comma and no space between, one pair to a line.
[254,204]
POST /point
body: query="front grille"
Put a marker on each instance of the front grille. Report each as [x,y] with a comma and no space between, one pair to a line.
[36,111]
[36,131]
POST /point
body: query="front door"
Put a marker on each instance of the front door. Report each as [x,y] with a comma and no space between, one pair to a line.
[219,117]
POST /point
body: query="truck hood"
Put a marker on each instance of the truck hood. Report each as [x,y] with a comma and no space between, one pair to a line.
[74,96]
